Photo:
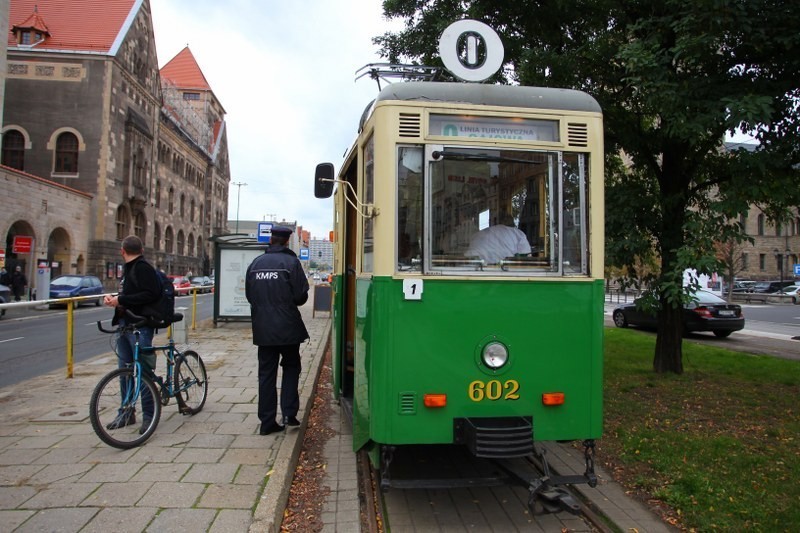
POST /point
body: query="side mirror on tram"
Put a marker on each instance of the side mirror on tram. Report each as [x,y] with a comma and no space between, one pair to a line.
[323,180]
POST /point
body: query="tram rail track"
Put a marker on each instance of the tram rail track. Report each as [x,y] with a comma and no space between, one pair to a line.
[373,506]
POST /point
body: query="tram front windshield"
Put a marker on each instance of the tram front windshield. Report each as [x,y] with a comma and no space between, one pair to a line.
[503,212]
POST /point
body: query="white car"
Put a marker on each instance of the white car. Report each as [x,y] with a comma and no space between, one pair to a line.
[791,290]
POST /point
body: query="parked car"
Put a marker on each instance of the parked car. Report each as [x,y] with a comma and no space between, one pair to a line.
[771,286]
[743,286]
[202,283]
[71,286]
[181,283]
[792,292]
[5,297]
[708,312]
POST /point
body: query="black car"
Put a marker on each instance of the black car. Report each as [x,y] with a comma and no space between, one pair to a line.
[708,312]
[768,287]
[70,286]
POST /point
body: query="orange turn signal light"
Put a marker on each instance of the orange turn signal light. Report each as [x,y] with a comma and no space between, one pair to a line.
[553,398]
[435,400]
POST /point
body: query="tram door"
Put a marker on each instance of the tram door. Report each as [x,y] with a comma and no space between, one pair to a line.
[349,286]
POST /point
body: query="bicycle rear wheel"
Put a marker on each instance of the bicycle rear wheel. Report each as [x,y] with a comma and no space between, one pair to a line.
[191,382]
[112,409]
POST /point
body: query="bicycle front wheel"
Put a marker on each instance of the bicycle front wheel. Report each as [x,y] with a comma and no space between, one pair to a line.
[113,409]
[191,382]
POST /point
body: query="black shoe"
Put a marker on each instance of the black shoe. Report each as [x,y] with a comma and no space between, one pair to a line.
[145,424]
[290,421]
[125,418]
[274,428]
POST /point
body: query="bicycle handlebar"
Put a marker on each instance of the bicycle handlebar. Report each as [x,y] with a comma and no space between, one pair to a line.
[135,322]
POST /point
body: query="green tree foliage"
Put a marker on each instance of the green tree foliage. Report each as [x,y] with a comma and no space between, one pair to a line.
[673,78]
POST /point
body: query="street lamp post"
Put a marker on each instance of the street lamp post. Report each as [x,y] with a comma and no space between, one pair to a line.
[782,257]
[238,199]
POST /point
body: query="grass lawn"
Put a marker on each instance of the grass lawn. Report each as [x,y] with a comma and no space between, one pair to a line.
[719,445]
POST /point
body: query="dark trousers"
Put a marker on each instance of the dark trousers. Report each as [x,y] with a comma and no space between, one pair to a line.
[268,357]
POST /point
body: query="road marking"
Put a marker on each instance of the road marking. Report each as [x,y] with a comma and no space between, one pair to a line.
[14,339]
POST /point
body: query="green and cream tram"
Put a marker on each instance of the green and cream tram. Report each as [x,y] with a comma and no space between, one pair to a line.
[448,327]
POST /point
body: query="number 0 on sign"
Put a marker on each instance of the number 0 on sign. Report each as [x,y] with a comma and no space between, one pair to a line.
[412,289]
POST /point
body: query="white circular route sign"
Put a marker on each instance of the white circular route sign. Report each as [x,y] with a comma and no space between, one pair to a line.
[471,68]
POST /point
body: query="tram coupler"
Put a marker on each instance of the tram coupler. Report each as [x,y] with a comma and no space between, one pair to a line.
[545,493]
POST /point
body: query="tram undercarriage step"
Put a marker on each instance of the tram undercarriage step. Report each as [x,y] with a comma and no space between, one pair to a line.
[495,437]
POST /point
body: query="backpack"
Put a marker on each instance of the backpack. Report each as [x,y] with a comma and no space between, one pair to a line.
[162,312]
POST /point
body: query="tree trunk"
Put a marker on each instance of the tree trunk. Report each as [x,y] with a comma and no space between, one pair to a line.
[669,341]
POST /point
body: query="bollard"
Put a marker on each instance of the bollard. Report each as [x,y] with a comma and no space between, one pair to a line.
[179,328]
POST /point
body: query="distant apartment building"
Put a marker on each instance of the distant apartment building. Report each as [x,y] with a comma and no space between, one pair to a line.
[320,253]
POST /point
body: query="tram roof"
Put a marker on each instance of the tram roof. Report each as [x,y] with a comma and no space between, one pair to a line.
[493,95]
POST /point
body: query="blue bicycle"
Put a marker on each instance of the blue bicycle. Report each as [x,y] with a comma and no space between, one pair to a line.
[114,402]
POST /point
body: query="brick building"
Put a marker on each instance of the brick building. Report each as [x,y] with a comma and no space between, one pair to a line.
[86,108]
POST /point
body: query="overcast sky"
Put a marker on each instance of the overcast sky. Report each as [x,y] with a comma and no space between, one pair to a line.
[285,74]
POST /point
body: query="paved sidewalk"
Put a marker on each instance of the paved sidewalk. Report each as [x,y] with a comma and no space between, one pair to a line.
[207,472]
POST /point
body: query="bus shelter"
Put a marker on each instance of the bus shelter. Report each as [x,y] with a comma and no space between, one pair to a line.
[233,253]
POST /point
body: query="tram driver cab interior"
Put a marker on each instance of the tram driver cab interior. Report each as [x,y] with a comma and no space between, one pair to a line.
[484,202]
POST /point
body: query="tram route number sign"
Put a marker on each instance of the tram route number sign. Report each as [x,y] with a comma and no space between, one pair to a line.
[797,270]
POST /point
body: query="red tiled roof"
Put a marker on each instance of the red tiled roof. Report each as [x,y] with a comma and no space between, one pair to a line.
[74,25]
[184,72]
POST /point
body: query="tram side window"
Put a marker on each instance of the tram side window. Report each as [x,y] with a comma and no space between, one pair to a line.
[368,251]
[573,208]
[409,208]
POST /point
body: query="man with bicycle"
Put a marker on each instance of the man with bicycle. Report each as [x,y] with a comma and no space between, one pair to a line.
[140,288]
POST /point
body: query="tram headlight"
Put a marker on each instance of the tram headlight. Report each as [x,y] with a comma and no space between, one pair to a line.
[495,355]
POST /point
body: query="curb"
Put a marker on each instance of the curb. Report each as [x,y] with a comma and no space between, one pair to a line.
[268,515]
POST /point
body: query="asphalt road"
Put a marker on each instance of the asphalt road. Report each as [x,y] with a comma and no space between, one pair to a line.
[33,340]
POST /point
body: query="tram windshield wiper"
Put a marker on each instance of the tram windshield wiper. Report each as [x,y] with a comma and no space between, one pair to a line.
[465,156]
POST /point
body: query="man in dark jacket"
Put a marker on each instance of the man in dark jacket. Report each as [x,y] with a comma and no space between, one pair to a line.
[140,287]
[275,286]
[18,283]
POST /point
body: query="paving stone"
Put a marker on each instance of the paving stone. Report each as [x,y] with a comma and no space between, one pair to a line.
[126,494]
[210,473]
[182,521]
[57,520]
[229,521]
[172,494]
[121,520]
[229,496]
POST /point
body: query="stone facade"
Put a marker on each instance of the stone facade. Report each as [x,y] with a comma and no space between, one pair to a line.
[113,106]
[57,218]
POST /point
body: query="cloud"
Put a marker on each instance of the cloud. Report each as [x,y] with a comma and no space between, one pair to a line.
[285,74]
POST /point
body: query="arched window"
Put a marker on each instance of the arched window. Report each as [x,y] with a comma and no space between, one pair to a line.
[122,221]
[183,205]
[67,153]
[200,251]
[168,240]
[761,225]
[158,194]
[180,242]
[157,237]
[14,149]
[171,199]
[190,245]
[191,211]
[139,225]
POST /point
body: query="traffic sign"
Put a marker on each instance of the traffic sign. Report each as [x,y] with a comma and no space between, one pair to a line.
[23,244]
[264,232]
[797,270]
[304,255]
